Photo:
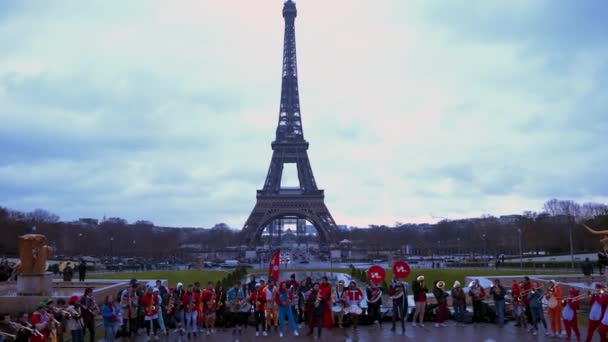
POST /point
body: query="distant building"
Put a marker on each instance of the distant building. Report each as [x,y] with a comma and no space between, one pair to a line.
[89,221]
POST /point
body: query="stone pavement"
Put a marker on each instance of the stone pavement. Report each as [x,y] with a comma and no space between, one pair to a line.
[468,333]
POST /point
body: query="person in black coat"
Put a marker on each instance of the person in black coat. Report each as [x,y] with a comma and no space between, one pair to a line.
[82,270]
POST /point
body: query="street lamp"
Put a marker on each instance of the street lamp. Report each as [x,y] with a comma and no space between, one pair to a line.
[521,253]
[111,242]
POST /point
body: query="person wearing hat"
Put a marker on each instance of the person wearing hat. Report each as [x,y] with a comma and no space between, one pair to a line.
[338,299]
[420,291]
[442,303]
[554,298]
[178,294]
[42,320]
[570,305]
[151,305]
[73,323]
[459,302]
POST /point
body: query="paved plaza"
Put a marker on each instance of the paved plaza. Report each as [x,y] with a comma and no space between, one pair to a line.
[468,333]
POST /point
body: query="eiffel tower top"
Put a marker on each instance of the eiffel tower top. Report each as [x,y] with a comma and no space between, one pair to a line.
[289,129]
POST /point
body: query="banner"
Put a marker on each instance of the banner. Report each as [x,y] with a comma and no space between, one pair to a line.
[401,270]
[376,274]
[273,270]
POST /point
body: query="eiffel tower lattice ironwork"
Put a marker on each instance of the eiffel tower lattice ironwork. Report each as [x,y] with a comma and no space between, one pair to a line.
[273,201]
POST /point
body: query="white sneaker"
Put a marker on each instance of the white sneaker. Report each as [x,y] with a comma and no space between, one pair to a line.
[414,325]
[422,325]
[436,325]
[443,325]
[264,333]
[280,334]
[296,333]
[257,334]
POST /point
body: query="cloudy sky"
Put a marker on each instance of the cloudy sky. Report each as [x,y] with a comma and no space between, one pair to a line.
[414,110]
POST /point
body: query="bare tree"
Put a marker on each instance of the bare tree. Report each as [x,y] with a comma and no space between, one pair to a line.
[41,215]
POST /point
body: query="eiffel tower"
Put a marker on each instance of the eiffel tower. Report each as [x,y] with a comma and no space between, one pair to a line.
[273,201]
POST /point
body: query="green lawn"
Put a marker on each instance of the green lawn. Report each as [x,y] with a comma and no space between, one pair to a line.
[185,277]
[430,275]
[189,277]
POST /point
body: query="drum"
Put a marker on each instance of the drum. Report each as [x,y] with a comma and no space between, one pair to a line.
[355,309]
[337,308]
[552,302]
[246,307]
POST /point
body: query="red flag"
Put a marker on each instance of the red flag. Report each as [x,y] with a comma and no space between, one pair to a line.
[273,270]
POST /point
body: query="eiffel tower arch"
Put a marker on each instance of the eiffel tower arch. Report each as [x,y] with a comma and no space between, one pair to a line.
[305,201]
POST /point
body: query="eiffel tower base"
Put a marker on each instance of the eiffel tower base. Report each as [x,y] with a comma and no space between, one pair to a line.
[267,209]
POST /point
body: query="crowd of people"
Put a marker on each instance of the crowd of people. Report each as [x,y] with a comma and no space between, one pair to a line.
[154,310]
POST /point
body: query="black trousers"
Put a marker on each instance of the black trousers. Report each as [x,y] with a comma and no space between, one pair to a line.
[478,311]
[374,312]
[89,325]
[399,314]
[260,319]
[154,324]
[315,322]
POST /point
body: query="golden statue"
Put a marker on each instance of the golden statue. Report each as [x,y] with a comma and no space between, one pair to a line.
[33,254]
[604,240]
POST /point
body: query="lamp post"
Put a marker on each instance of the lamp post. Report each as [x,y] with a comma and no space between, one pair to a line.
[521,253]
[111,242]
[571,242]
[79,242]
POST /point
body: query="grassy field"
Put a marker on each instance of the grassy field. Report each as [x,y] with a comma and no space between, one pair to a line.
[189,277]
[185,277]
[430,275]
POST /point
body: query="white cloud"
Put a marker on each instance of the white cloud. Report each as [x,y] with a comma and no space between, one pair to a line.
[151,110]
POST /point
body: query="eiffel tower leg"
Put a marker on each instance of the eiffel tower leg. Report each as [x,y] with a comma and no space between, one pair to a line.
[268,209]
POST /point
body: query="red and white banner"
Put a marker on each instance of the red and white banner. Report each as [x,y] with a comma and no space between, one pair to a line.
[273,270]
[401,269]
[376,274]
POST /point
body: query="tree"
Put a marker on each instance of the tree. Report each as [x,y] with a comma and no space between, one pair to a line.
[42,216]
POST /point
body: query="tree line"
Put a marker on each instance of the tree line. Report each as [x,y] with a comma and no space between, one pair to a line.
[547,230]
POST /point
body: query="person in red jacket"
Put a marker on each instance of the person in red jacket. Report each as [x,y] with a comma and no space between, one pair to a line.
[603,327]
[190,301]
[315,306]
[569,314]
[518,308]
[209,302]
[150,303]
[325,288]
[258,299]
[597,306]
[477,294]
[354,296]
[41,321]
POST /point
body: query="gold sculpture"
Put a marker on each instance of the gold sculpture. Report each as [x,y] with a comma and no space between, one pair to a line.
[604,240]
[33,254]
